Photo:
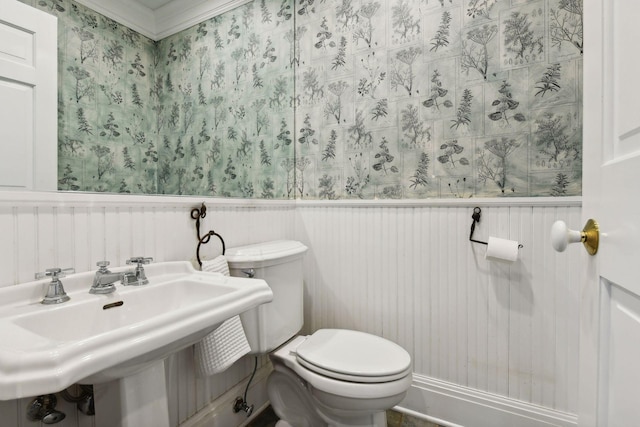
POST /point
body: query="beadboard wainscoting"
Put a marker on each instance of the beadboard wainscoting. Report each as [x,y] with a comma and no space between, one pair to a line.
[487,339]
[44,230]
[506,332]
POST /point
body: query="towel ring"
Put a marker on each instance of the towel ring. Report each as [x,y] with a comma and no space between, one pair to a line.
[196,214]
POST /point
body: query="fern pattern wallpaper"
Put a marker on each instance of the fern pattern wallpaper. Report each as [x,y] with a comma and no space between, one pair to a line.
[331,99]
[106,141]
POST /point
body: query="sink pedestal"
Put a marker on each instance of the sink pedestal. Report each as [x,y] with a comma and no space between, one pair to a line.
[136,400]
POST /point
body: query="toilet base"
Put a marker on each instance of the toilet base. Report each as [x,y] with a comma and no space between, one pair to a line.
[293,402]
[304,398]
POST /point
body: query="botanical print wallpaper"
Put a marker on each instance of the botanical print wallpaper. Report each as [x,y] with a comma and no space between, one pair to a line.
[225,115]
[106,140]
[329,99]
[439,98]
[205,112]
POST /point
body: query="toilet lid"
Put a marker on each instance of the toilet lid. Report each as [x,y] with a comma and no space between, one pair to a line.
[353,356]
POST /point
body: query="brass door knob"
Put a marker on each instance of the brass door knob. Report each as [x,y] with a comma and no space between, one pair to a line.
[561,236]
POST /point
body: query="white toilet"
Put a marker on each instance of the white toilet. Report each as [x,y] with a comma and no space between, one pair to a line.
[334,377]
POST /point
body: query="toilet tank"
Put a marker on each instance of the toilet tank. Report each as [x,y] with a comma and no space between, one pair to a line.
[279,263]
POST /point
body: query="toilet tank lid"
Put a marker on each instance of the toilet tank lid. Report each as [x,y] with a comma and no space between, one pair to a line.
[265,251]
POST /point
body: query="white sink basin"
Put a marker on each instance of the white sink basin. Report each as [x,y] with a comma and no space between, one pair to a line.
[98,338]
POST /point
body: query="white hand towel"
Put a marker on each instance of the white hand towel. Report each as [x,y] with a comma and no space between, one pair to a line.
[221,348]
[228,343]
[217,265]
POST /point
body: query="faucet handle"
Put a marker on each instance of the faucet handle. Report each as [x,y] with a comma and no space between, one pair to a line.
[103,265]
[55,273]
[55,292]
[139,260]
[138,277]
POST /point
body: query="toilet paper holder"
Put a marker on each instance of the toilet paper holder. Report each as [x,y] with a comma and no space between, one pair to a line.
[476,219]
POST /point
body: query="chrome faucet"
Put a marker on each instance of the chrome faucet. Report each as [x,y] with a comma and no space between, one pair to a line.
[103,281]
[55,292]
[136,277]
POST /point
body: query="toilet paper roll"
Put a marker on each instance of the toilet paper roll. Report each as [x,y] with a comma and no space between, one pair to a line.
[501,250]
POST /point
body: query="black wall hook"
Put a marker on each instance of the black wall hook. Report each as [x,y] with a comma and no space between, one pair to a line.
[476,218]
[196,214]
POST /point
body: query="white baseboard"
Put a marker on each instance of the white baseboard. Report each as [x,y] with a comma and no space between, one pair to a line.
[440,402]
[451,405]
[219,412]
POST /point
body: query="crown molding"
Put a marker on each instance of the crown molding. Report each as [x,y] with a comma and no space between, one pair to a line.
[179,15]
[165,21]
[131,14]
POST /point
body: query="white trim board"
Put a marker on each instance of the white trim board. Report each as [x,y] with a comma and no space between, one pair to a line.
[131,200]
[435,400]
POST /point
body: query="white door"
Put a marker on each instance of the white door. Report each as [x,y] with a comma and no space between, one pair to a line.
[610,292]
[28,98]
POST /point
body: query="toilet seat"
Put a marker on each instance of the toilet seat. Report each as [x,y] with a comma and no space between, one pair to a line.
[353,356]
[285,358]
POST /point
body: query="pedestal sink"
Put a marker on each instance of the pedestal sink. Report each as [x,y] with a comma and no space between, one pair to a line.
[119,341]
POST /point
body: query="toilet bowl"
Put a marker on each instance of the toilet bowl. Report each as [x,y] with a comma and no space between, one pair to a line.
[333,377]
[348,378]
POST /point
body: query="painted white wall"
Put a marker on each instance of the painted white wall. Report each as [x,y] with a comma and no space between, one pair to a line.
[409,273]
[406,271]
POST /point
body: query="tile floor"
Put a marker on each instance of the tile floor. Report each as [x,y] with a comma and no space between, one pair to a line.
[394,419]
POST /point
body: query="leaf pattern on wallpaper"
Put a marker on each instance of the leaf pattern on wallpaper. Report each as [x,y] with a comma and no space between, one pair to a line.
[375,76]
[475,54]
[329,152]
[415,131]
[312,88]
[437,91]
[327,185]
[384,159]
[365,29]
[493,162]
[549,82]
[346,14]
[463,113]
[553,139]
[54,6]
[402,73]
[405,22]
[520,38]
[333,107]
[566,24]
[420,178]
[481,8]
[361,137]
[359,181]
[560,185]
[88,45]
[505,106]
[441,38]
[451,154]
[340,59]
[381,106]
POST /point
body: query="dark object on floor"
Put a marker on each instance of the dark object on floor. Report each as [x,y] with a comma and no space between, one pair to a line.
[268,418]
